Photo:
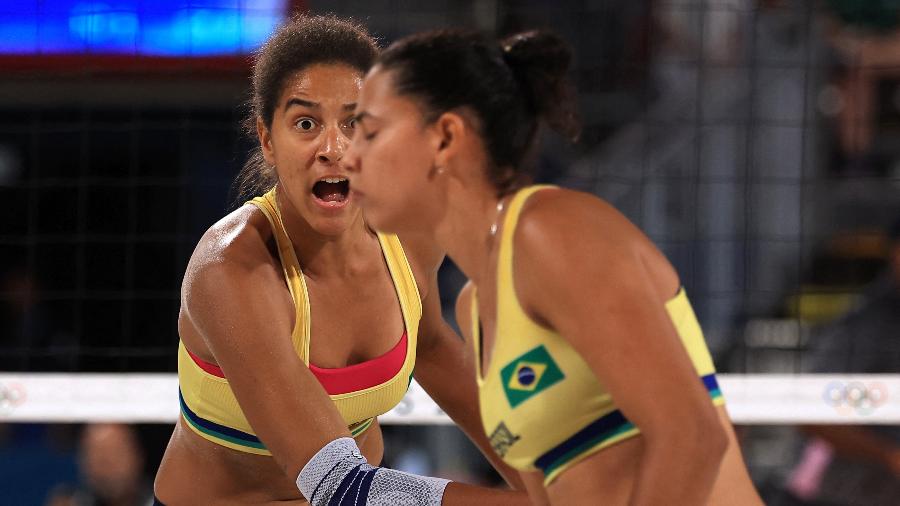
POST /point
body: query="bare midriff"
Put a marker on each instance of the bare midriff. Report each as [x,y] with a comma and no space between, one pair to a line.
[197,471]
[608,476]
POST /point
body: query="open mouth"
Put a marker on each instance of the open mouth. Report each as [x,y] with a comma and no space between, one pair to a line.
[332,190]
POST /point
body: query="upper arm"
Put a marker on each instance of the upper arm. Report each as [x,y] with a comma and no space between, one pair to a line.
[441,354]
[464,311]
[425,258]
[580,267]
[533,482]
[231,299]
[438,345]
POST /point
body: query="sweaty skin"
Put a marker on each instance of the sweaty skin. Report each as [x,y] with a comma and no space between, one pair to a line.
[580,269]
[237,312]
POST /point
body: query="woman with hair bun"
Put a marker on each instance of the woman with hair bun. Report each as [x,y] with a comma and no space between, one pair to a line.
[593,375]
[299,324]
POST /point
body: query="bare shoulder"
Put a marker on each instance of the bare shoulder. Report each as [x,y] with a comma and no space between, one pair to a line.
[238,237]
[562,219]
[235,252]
[565,234]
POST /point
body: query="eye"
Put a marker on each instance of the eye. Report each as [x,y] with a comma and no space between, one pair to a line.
[351,124]
[306,124]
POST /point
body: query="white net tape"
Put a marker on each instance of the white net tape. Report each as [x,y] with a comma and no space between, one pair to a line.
[757,399]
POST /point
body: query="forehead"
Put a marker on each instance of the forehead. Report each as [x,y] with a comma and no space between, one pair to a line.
[379,97]
[324,83]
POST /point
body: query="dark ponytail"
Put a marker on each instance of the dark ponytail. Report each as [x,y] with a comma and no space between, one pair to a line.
[511,86]
[540,61]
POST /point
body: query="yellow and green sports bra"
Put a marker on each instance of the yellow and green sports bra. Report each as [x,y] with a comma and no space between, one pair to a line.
[360,392]
[541,405]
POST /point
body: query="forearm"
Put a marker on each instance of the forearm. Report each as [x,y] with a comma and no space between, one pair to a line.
[471,426]
[447,358]
[339,473]
[510,475]
[676,470]
[463,495]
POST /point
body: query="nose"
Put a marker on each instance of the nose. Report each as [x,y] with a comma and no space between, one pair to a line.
[334,143]
[351,156]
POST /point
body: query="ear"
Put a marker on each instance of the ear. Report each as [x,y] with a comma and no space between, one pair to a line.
[265,142]
[450,133]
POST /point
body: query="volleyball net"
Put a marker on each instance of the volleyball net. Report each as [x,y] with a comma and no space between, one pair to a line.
[754,399]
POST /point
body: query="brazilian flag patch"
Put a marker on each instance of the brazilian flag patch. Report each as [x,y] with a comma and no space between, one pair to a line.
[529,374]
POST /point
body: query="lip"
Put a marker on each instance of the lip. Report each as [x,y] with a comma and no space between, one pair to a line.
[333,206]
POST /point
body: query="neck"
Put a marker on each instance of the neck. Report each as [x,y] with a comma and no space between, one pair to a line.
[323,256]
[465,231]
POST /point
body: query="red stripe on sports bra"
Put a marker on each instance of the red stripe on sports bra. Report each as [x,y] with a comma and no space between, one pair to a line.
[342,380]
[206,366]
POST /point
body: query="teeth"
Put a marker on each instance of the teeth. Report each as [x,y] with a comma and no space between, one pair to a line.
[335,179]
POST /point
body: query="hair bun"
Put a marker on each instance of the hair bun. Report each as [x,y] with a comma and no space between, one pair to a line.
[540,61]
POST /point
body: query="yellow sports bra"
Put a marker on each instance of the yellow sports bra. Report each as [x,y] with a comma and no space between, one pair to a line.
[541,405]
[209,407]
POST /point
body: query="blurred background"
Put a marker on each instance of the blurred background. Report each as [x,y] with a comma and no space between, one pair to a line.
[757,142]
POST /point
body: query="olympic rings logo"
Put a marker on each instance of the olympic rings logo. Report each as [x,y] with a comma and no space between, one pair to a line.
[855,396]
[11,396]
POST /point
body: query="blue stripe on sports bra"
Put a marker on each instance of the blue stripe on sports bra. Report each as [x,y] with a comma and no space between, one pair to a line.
[227,433]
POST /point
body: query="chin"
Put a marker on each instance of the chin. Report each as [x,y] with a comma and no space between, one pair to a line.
[380,222]
[331,223]
[330,227]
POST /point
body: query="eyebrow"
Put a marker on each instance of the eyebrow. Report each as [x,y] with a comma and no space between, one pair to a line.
[361,116]
[300,102]
[314,105]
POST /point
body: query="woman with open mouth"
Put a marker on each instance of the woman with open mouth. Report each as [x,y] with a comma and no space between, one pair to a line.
[299,324]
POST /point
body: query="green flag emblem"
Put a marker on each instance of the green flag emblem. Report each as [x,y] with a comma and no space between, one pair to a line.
[528,375]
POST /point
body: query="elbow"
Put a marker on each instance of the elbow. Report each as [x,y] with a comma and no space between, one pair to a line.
[697,437]
[710,438]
